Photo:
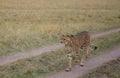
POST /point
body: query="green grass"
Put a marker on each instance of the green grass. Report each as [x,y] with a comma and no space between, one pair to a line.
[39,66]
[27,25]
[108,70]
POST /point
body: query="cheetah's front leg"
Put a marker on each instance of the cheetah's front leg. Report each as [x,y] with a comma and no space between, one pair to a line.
[69,61]
[85,54]
[77,56]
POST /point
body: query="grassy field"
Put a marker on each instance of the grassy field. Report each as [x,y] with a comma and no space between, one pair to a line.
[26,25]
[38,67]
[108,70]
[60,4]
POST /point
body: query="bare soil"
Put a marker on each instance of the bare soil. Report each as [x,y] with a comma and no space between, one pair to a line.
[90,64]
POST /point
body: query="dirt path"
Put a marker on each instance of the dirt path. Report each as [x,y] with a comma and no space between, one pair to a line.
[21,55]
[90,64]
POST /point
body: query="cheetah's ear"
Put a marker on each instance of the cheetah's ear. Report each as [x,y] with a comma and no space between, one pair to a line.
[72,35]
[68,35]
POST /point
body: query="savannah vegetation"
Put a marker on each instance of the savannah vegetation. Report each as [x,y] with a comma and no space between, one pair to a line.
[47,63]
[30,24]
[27,25]
[108,70]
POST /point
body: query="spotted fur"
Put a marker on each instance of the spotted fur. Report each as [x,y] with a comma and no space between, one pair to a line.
[75,43]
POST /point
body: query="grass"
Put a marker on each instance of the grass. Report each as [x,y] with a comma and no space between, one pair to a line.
[108,70]
[56,4]
[38,67]
[27,25]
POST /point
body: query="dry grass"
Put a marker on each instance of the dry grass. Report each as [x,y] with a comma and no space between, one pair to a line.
[30,24]
[61,4]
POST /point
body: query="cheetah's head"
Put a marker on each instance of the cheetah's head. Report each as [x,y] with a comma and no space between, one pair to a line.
[65,38]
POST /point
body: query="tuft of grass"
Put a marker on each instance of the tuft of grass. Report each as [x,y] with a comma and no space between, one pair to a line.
[108,70]
[40,66]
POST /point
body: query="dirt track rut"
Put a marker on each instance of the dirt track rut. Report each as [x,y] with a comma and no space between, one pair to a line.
[21,55]
[90,64]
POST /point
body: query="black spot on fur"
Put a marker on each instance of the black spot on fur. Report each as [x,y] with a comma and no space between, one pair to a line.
[72,35]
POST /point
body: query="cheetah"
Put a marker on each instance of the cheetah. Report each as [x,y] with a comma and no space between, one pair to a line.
[75,43]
